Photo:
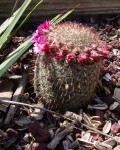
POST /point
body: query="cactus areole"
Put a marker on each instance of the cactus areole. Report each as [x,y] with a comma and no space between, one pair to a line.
[68,64]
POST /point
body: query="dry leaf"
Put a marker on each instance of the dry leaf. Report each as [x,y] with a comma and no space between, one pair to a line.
[27,137]
[74,144]
[107,91]
[95,117]
[114,116]
[110,142]
[65,123]
[117,139]
[117,147]
[86,143]
[23,120]
[40,146]
[114,106]
[56,140]
[107,77]
[3,107]
[69,137]
[37,114]
[102,146]
[87,119]
[82,133]
[107,127]
[98,106]
[51,133]
[6,93]
[66,144]
[57,131]
[73,116]
[117,93]
[27,147]
[87,136]
[95,123]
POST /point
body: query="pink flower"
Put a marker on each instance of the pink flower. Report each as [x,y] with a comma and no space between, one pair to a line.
[44,26]
[82,58]
[40,31]
[36,48]
[41,46]
[36,36]
[70,58]
[58,56]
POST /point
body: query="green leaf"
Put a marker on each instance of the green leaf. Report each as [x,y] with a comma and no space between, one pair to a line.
[6,34]
[27,17]
[55,18]
[7,22]
[19,48]
[63,16]
[14,56]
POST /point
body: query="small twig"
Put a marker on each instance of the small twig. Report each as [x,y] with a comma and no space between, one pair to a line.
[16,98]
[34,106]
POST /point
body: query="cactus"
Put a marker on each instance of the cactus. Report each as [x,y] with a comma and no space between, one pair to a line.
[68,64]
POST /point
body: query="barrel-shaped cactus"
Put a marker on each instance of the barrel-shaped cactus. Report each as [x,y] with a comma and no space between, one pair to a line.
[68,63]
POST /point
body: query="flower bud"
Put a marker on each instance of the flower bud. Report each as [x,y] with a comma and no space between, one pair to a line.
[87,50]
[70,58]
[105,52]
[82,58]
[94,46]
[58,56]
[76,51]
[53,48]
[64,51]
[95,56]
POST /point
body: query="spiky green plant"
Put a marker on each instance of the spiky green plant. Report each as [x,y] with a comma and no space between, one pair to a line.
[67,68]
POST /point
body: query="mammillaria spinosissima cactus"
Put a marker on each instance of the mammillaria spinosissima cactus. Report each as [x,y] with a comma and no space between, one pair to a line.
[67,66]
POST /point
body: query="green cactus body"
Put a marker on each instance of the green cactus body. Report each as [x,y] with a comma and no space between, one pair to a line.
[63,84]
